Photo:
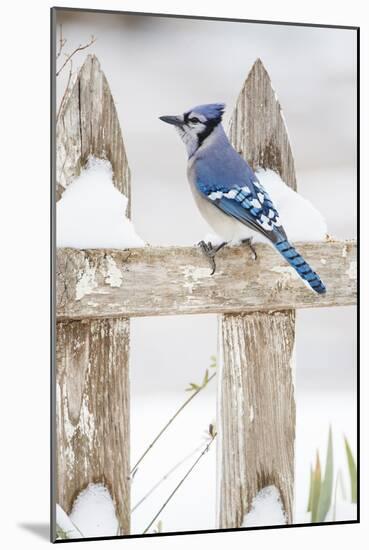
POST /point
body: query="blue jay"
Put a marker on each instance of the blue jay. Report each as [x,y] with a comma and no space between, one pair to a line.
[227,191]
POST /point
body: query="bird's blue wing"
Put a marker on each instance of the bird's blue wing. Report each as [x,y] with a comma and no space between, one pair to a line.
[248,203]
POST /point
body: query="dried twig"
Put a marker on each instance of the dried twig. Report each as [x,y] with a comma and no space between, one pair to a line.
[193,387]
[80,48]
[62,42]
[166,476]
[214,434]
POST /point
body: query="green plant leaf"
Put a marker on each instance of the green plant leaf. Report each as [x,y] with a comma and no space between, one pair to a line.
[206,378]
[212,430]
[159,527]
[213,364]
[310,490]
[325,497]
[342,485]
[339,484]
[352,470]
[315,493]
[60,533]
[192,387]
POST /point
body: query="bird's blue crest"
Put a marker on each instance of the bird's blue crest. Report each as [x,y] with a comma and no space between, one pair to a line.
[211,111]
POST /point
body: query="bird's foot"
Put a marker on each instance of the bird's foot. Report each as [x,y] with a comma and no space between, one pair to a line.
[209,251]
[248,242]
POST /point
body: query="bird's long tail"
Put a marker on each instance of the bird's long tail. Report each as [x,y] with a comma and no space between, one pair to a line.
[290,254]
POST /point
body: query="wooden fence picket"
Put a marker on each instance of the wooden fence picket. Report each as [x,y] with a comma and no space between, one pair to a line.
[257,407]
[92,361]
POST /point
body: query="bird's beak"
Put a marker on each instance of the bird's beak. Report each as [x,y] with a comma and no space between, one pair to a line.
[175,120]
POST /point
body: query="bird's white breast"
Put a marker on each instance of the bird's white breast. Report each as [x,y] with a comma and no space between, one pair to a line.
[224,226]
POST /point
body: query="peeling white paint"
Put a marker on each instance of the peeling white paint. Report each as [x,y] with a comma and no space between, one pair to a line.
[200,273]
[113,275]
[344,252]
[193,275]
[77,345]
[69,430]
[289,274]
[323,261]
[352,271]
[251,414]
[87,421]
[85,424]
[87,282]
[287,271]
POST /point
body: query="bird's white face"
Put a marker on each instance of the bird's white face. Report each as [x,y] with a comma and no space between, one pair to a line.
[192,127]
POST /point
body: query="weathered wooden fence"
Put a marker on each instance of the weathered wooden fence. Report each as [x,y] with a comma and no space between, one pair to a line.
[256,301]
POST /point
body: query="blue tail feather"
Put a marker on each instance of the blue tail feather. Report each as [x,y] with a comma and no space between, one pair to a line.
[302,268]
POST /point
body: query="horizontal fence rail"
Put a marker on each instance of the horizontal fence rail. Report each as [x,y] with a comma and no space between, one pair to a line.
[176,280]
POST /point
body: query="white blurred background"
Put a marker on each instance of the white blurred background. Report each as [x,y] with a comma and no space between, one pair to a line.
[158,66]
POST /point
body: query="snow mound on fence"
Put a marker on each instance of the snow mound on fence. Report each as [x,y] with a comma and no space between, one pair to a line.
[92,212]
[300,218]
[93,512]
[266,509]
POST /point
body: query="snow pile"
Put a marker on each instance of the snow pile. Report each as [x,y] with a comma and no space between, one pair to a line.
[300,219]
[93,512]
[266,509]
[65,523]
[91,212]
[345,511]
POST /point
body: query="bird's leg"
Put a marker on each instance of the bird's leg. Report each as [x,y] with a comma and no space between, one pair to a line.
[249,243]
[209,251]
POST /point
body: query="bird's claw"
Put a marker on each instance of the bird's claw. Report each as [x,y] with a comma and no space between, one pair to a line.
[209,251]
[248,242]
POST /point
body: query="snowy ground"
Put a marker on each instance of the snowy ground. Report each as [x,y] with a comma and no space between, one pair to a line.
[193,507]
[325,385]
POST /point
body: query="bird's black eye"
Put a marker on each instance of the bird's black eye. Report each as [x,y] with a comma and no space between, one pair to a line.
[194,120]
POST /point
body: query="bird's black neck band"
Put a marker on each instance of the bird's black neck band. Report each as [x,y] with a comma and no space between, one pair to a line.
[210,125]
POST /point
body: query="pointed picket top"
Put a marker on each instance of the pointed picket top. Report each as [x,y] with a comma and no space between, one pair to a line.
[258,130]
[88,124]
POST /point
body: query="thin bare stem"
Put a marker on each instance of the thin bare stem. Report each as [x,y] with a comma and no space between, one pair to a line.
[180,483]
[62,42]
[80,48]
[166,476]
[133,471]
